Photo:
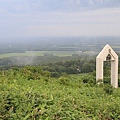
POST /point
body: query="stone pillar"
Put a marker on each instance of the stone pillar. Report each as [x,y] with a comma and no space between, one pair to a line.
[99,69]
[114,73]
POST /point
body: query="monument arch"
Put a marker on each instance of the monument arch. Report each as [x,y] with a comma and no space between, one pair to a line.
[106,54]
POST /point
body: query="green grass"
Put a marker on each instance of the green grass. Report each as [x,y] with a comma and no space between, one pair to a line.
[31,94]
[38,53]
[41,53]
[21,54]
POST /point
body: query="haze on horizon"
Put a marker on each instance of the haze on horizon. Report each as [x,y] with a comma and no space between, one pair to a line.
[42,18]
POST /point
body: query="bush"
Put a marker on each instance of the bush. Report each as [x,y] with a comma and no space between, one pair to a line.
[108,89]
[85,80]
[64,80]
[107,80]
[55,74]
[118,82]
[46,74]
[89,79]
[100,83]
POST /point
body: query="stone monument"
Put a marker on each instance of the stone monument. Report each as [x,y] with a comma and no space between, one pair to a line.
[107,54]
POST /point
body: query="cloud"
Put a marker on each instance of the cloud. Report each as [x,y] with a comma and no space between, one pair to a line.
[59,17]
[27,6]
[90,23]
[74,30]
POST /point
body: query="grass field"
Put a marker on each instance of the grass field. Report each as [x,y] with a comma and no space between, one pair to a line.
[42,53]
[39,53]
[21,54]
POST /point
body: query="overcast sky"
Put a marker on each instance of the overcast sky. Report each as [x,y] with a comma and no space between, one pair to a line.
[37,18]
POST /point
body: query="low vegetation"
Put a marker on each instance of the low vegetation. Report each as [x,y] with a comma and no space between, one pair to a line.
[31,93]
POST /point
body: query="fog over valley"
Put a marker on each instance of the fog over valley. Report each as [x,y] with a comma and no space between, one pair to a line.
[56,43]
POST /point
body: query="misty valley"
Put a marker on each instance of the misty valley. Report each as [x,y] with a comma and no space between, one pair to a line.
[37,51]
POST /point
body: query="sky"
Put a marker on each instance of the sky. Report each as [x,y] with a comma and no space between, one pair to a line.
[59,18]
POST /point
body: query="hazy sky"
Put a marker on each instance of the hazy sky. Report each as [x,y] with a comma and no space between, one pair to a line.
[34,18]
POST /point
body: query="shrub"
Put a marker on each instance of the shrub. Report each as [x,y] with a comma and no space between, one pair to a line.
[55,74]
[118,82]
[30,77]
[99,81]
[46,79]
[106,80]
[46,74]
[85,80]
[89,79]
[64,80]
[108,89]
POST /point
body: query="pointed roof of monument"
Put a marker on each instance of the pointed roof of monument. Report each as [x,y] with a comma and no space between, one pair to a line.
[107,50]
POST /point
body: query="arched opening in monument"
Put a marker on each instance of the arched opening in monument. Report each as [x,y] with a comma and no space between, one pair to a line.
[107,70]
